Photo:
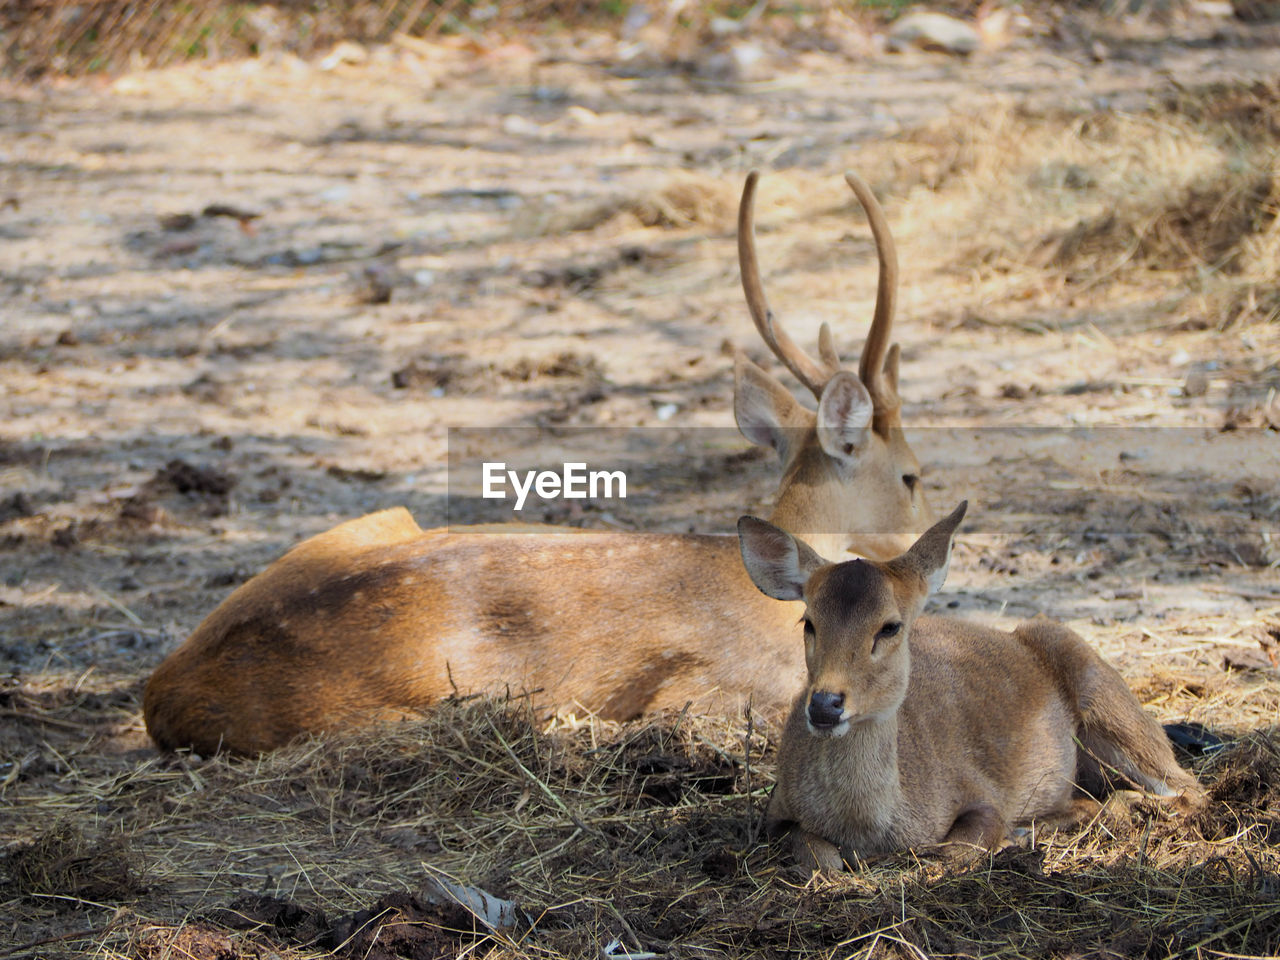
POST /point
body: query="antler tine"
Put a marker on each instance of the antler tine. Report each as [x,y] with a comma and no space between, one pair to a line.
[812,374]
[827,347]
[871,366]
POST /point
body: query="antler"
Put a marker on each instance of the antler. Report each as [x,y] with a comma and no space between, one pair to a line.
[878,367]
[812,374]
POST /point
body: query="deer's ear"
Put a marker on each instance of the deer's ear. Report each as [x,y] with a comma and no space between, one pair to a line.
[930,556]
[766,412]
[778,563]
[844,416]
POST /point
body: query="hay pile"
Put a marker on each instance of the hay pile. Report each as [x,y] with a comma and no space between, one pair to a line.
[688,200]
[645,833]
[1177,201]
[1208,226]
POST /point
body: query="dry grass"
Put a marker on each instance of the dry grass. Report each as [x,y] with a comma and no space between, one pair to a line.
[1171,210]
[1074,208]
[688,200]
[62,862]
[1207,226]
[645,832]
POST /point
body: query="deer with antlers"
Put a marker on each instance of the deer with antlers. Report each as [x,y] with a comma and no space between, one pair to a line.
[916,731]
[376,619]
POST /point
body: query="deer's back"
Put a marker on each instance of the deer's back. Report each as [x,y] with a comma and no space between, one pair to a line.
[345,630]
[983,716]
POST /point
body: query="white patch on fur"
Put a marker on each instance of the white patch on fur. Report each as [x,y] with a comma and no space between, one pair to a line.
[939,576]
[839,730]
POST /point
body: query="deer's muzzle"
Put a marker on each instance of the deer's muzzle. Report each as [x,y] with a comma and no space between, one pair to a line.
[826,711]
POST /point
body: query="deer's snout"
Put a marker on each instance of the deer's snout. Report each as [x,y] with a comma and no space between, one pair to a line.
[826,710]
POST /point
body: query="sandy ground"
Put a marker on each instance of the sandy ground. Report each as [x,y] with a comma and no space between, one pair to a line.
[554,233]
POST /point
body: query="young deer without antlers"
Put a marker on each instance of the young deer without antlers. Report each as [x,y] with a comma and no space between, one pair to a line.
[914,731]
[376,619]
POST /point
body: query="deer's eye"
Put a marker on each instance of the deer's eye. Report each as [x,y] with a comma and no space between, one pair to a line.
[911,481]
[887,632]
[809,632]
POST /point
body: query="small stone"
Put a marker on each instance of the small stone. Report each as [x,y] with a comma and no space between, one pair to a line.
[1196,384]
[177,222]
[344,52]
[377,285]
[340,193]
[515,125]
[935,32]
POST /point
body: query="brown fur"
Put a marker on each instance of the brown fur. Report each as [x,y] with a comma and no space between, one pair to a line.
[954,733]
[377,619]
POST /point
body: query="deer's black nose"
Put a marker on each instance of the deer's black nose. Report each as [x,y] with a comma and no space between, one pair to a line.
[825,709]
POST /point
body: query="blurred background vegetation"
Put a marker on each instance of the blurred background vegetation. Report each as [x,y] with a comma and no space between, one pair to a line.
[76,37]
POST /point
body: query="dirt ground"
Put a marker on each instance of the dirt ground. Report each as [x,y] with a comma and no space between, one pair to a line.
[540,233]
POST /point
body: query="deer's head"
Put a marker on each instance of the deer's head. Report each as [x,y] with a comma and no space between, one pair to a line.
[850,481]
[858,616]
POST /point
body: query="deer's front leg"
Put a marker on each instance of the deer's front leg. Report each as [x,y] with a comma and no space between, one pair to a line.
[812,853]
[978,828]
[809,851]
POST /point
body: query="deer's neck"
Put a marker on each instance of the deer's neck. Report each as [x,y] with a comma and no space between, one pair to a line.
[863,787]
[814,504]
[804,506]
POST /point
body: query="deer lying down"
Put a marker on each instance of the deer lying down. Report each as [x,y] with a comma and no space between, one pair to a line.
[915,731]
[377,619]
